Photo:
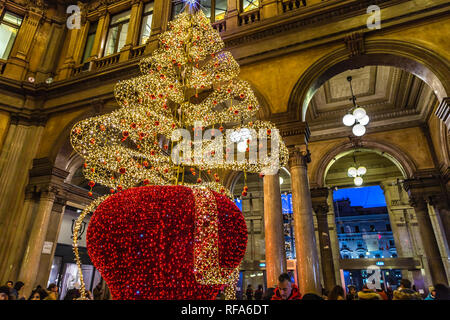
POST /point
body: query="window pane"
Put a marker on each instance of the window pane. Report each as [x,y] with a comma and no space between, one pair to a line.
[206,7]
[121,17]
[12,18]
[123,36]
[7,37]
[146,28]
[250,5]
[148,7]
[112,40]
[221,9]
[88,48]
[177,8]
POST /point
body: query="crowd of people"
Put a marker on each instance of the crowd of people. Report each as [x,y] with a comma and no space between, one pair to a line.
[286,290]
[12,291]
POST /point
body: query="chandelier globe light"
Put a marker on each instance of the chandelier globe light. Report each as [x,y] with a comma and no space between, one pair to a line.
[355,173]
[357,116]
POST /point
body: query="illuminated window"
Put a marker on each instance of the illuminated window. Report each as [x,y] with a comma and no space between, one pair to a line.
[9,27]
[248,5]
[117,33]
[213,9]
[146,27]
[89,42]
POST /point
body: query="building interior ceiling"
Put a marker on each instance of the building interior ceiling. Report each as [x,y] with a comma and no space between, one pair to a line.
[378,166]
[391,96]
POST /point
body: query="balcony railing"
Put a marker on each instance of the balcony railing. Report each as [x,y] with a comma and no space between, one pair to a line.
[289,5]
[220,26]
[250,17]
[107,61]
[137,51]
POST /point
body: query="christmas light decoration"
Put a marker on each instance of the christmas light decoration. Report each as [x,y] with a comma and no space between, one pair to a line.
[167,242]
[187,83]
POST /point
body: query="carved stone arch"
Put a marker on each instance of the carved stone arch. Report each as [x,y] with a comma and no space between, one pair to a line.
[403,161]
[231,178]
[62,149]
[420,61]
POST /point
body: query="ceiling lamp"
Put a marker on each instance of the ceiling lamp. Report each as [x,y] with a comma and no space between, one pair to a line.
[356,174]
[281,180]
[357,116]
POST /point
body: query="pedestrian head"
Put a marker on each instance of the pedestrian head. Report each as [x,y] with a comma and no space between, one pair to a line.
[336,292]
[4,293]
[442,292]
[405,284]
[285,286]
[18,285]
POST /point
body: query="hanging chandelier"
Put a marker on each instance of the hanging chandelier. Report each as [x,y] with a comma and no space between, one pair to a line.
[356,116]
[356,172]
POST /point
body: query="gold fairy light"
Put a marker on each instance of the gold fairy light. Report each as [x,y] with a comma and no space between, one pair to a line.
[188,80]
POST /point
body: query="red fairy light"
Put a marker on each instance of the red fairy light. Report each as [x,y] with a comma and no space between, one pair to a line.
[157,240]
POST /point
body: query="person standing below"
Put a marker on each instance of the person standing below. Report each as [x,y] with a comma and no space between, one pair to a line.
[286,290]
[259,293]
[15,292]
[98,292]
[368,294]
[404,292]
[337,293]
[352,293]
[249,292]
[52,292]
[431,295]
[442,292]
[4,293]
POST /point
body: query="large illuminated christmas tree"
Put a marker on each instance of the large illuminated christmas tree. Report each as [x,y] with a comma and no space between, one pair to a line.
[188,83]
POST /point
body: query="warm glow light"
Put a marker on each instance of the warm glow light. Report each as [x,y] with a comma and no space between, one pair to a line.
[359,113]
[362,171]
[352,172]
[365,120]
[359,130]
[281,180]
[358,181]
[242,146]
[349,120]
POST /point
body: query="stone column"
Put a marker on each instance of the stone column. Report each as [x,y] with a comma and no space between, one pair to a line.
[269,8]
[319,202]
[101,33]
[69,62]
[133,29]
[334,241]
[274,231]
[16,158]
[232,15]
[441,206]
[29,268]
[161,17]
[54,226]
[305,241]
[18,62]
[431,249]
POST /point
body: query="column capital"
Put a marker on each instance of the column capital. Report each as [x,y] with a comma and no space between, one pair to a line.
[299,157]
[295,133]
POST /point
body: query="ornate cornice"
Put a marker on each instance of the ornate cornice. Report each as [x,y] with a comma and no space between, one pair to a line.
[443,111]
[299,157]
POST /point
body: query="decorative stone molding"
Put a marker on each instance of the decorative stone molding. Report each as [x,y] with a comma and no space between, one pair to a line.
[299,157]
[443,112]
[355,43]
